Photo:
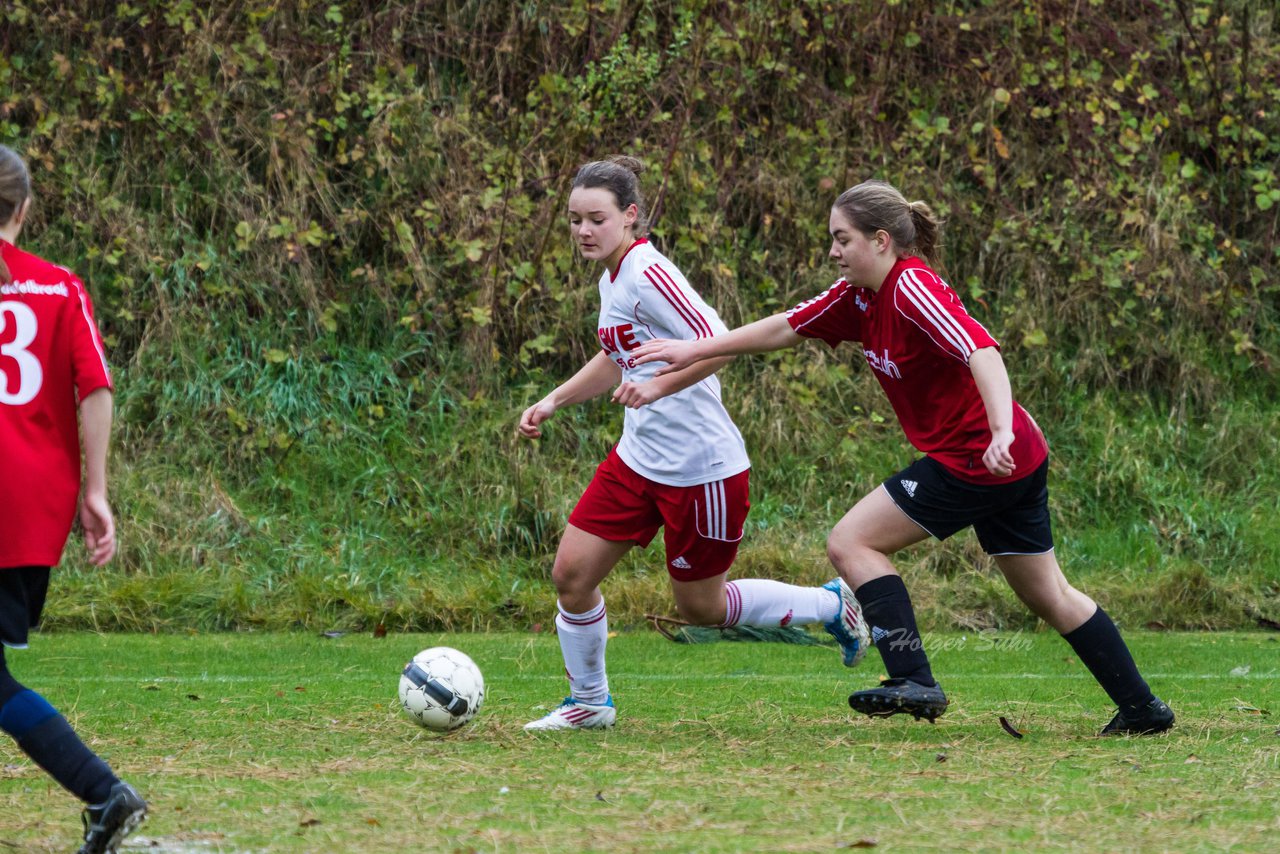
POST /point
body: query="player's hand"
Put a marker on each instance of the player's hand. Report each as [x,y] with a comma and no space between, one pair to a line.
[997,458]
[677,354]
[636,395]
[99,528]
[533,416]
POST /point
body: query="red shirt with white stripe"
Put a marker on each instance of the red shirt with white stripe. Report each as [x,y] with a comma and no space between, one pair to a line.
[51,356]
[686,438]
[917,338]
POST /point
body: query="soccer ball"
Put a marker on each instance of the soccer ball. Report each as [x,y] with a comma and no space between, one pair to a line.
[441,688]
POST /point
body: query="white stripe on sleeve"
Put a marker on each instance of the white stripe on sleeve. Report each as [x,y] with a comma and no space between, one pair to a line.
[942,321]
[92,328]
[802,306]
[667,286]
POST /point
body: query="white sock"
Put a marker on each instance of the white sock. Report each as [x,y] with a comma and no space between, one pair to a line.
[760,602]
[582,640]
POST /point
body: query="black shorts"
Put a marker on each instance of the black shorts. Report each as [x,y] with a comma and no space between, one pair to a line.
[22,592]
[1009,518]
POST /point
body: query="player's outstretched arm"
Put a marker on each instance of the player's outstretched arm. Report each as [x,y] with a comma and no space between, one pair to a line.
[636,395]
[762,336]
[592,380]
[993,386]
[95,513]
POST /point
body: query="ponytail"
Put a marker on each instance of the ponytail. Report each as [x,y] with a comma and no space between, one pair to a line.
[928,231]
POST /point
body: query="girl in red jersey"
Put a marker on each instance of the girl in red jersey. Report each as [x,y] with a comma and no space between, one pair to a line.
[51,355]
[985,458]
[680,465]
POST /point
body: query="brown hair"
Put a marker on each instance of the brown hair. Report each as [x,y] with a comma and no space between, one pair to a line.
[620,176]
[15,187]
[875,205]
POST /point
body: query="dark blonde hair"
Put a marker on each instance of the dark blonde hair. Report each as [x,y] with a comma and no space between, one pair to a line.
[875,205]
[620,176]
[15,187]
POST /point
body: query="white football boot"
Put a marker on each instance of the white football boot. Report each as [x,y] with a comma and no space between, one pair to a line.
[848,628]
[573,714]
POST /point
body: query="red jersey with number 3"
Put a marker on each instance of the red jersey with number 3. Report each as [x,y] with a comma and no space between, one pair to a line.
[51,356]
[917,338]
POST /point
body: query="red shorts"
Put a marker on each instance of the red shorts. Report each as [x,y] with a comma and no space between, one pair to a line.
[703,523]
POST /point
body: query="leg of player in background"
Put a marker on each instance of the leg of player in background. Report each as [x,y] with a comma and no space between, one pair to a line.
[1039,583]
[703,529]
[764,603]
[716,601]
[583,560]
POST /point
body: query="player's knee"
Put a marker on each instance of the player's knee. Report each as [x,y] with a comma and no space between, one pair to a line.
[843,551]
[558,577]
[1068,609]
[1050,603]
[836,550]
[564,576]
[573,586]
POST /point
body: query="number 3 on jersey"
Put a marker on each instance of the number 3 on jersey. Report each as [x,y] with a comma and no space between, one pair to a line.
[30,374]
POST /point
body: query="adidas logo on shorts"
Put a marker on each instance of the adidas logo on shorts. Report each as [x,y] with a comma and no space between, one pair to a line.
[909,486]
[681,563]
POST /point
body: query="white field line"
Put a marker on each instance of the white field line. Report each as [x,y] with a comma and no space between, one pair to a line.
[231,679]
[174,846]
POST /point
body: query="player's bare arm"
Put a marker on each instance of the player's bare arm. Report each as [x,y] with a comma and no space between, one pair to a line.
[762,336]
[636,395]
[95,511]
[594,378]
[993,386]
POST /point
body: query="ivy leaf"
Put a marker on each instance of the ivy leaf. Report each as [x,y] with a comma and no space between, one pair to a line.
[1035,338]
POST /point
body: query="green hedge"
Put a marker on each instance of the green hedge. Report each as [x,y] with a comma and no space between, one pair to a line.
[327,246]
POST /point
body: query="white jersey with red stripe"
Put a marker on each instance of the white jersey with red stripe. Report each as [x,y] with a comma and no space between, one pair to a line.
[917,338]
[686,438]
[51,357]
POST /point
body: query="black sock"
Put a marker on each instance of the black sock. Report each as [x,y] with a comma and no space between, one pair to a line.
[55,747]
[1103,651]
[48,739]
[886,607]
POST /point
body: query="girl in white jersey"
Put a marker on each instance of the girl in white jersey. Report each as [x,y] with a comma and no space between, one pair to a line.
[985,458]
[680,465]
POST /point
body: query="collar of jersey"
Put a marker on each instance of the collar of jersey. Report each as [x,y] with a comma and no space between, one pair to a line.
[613,274]
[899,267]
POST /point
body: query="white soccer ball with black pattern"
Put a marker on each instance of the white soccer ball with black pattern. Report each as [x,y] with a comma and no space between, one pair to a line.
[441,688]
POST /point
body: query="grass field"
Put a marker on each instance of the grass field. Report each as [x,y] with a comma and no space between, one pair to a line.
[290,742]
